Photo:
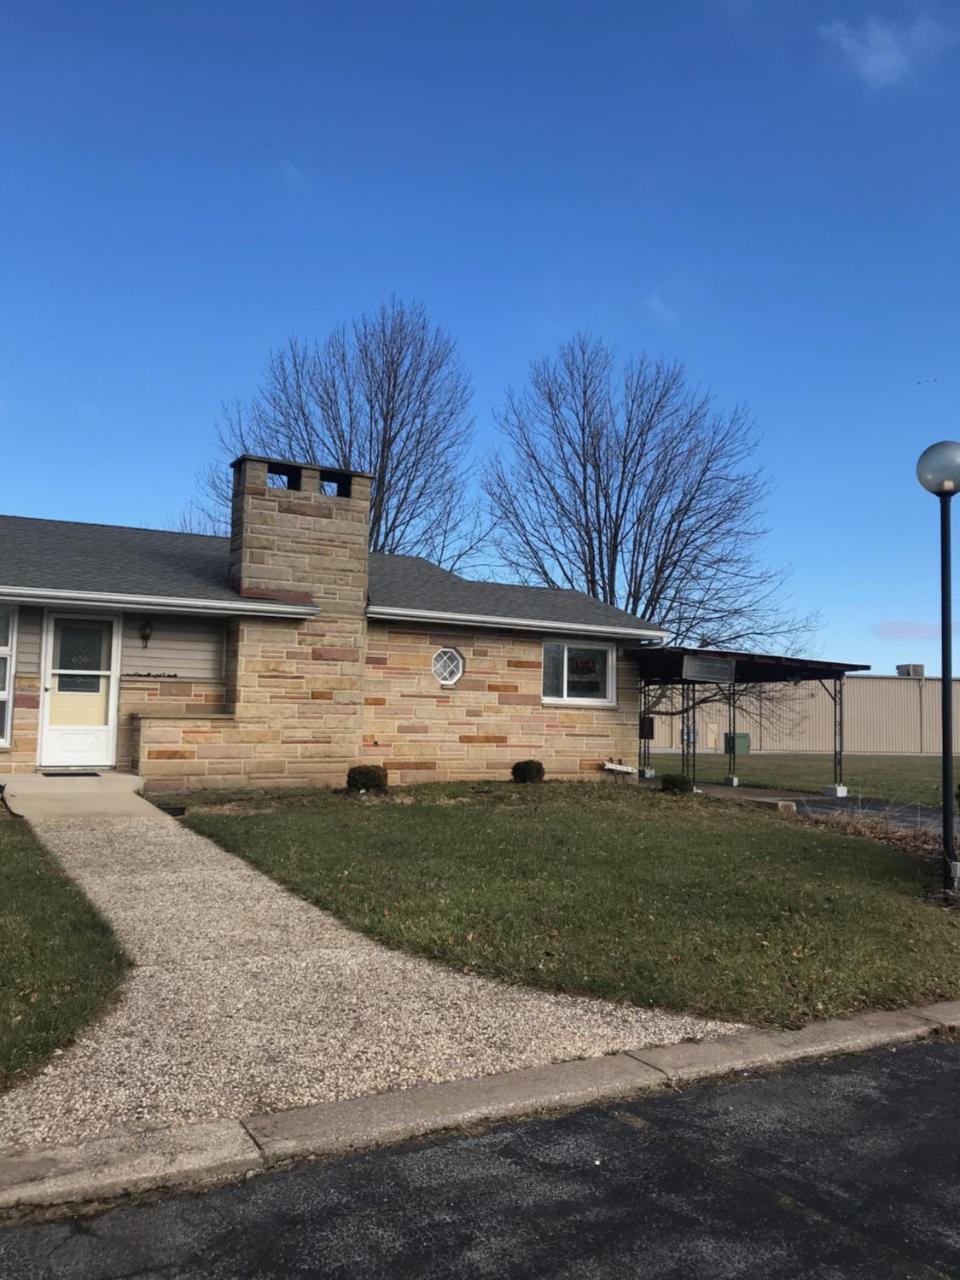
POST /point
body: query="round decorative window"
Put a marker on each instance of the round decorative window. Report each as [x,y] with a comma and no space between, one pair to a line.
[447,666]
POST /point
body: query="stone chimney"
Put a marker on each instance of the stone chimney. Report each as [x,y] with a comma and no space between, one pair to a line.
[293,525]
[299,537]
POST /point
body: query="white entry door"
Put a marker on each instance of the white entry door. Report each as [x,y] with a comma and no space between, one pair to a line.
[80,691]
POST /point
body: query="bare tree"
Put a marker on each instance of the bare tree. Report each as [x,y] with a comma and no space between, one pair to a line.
[630,485]
[386,394]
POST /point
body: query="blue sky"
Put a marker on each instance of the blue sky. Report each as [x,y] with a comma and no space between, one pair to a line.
[766,189]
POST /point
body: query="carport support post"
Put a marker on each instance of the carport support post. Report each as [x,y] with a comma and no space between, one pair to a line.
[644,769]
[641,698]
[950,866]
[837,790]
[838,731]
[693,734]
[732,734]
[688,730]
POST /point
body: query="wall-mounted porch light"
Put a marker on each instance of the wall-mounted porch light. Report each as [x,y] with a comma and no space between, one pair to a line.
[146,631]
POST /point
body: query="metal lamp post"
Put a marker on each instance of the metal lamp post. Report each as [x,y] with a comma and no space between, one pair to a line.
[938,470]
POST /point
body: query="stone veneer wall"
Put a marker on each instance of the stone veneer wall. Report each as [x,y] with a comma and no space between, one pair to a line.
[21,756]
[421,731]
[161,696]
[294,689]
[493,716]
[153,695]
[297,724]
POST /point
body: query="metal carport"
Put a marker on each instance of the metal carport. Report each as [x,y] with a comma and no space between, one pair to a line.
[692,671]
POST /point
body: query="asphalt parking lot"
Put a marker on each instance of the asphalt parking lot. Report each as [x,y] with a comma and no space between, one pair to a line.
[845,1168]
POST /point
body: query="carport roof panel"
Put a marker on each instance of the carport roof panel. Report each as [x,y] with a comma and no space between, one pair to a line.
[665,665]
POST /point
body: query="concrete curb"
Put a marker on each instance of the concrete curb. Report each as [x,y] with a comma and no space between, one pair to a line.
[333,1128]
[127,1163]
[779,806]
[211,1152]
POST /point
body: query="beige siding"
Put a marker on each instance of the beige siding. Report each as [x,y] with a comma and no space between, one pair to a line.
[929,714]
[29,635]
[882,714]
[189,648]
[789,718]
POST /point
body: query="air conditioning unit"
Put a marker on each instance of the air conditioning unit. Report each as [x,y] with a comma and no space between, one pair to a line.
[914,669]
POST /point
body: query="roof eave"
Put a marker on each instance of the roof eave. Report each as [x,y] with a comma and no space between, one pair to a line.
[755,668]
[388,613]
[60,598]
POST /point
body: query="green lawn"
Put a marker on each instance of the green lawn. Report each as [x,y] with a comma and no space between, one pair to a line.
[910,779]
[687,903]
[59,961]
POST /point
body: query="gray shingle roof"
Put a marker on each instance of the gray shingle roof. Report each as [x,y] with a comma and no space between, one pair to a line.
[59,555]
[408,582]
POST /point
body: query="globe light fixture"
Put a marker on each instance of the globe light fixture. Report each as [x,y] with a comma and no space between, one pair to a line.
[938,470]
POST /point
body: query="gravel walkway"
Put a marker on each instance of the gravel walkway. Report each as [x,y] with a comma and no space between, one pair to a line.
[244,998]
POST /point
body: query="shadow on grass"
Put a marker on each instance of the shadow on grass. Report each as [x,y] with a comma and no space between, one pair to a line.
[60,963]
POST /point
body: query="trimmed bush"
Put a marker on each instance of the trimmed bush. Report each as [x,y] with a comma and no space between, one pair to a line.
[527,771]
[676,784]
[367,777]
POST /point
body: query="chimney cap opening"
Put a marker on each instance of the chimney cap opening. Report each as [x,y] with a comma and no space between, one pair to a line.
[279,472]
[292,472]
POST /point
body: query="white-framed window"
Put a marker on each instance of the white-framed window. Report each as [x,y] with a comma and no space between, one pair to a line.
[447,666]
[581,672]
[8,640]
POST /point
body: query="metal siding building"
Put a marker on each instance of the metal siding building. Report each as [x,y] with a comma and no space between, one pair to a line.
[894,715]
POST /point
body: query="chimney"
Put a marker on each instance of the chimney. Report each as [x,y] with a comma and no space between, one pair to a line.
[295,685]
[298,532]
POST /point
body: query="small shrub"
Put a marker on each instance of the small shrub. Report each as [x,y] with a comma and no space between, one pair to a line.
[527,771]
[367,777]
[676,784]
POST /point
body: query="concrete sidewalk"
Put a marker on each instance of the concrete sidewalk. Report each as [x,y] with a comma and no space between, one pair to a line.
[246,999]
[38,797]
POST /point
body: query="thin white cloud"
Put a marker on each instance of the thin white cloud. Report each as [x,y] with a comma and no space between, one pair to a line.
[883,54]
[662,310]
[905,629]
[292,176]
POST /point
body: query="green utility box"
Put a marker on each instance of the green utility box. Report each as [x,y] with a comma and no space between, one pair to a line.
[742,743]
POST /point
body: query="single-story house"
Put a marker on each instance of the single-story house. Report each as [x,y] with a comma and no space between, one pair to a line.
[286,653]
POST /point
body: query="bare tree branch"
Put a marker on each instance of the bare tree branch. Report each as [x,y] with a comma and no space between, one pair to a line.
[387,395]
[629,485]
[196,517]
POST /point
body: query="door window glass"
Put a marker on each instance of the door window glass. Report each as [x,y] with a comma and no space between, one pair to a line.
[79,648]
